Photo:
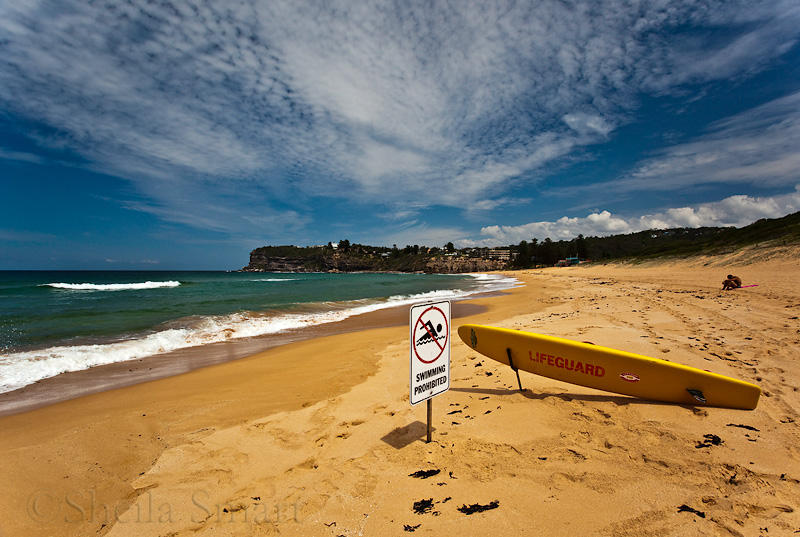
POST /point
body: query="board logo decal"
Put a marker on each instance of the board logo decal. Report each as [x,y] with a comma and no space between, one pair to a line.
[473,338]
[629,377]
[569,364]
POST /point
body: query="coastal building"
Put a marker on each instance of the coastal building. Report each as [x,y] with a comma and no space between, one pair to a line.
[568,262]
[501,254]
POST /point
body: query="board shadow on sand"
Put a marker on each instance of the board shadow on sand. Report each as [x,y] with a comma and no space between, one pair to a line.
[619,400]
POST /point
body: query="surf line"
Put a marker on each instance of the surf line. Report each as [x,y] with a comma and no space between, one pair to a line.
[428,373]
[568,364]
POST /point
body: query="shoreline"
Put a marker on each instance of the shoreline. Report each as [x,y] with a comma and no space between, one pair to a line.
[72,384]
[321,431]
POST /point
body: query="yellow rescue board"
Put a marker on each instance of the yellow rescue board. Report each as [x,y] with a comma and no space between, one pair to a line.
[608,369]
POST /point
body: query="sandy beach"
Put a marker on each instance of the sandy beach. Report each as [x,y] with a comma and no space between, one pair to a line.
[317,437]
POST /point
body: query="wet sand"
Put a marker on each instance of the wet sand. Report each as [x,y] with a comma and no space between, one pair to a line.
[118,375]
[318,438]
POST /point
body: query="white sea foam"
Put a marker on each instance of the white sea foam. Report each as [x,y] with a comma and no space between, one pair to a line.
[111,286]
[23,368]
[495,282]
[274,280]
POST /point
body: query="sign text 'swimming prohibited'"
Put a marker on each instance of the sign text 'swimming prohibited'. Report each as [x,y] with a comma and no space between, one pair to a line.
[430,350]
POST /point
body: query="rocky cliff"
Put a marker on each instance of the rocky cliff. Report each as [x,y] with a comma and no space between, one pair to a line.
[321,259]
[457,265]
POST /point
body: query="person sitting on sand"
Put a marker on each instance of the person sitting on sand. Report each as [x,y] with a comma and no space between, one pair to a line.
[733,282]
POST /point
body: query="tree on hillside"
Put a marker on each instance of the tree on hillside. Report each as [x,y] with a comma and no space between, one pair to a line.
[547,253]
[523,255]
[580,245]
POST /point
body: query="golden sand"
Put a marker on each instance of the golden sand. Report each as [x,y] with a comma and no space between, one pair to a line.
[318,437]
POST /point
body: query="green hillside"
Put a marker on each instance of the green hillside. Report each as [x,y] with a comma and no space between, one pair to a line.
[658,243]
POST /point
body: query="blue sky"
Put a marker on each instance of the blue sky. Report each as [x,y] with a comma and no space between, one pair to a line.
[180,135]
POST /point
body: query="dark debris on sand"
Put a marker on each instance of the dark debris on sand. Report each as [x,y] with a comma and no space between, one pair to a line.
[686,509]
[748,427]
[710,440]
[423,506]
[478,508]
[410,528]
[424,474]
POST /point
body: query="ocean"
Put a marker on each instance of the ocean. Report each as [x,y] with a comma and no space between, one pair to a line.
[60,321]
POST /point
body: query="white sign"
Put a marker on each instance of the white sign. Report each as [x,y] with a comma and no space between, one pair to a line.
[430,350]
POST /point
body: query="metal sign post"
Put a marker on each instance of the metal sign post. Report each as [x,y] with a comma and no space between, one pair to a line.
[430,419]
[429,329]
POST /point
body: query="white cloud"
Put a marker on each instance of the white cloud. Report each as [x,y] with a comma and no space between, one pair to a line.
[491,204]
[758,146]
[362,100]
[738,210]
[690,60]
[588,124]
[600,223]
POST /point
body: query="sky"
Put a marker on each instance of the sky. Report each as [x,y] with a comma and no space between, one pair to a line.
[161,135]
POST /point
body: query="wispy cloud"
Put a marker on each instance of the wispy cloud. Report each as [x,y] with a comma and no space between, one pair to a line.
[15,235]
[20,156]
[757,146]
[422,104]
[426,235]
[738,210]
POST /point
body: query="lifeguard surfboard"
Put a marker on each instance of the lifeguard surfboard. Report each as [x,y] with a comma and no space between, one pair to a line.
[609,369]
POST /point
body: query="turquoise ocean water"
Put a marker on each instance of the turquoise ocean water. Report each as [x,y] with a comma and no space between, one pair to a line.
[54,322]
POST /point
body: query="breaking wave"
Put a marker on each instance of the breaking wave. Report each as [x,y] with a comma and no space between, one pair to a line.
[22,368]
[111,286]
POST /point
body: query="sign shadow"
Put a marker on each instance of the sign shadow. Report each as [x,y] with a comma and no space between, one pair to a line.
[404,436]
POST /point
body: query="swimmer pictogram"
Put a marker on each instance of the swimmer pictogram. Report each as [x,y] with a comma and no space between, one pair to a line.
[432,333]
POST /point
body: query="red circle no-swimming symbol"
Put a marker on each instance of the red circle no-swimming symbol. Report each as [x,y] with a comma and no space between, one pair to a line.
[435,329]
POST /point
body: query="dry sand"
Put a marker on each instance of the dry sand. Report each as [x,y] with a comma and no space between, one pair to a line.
[318,437]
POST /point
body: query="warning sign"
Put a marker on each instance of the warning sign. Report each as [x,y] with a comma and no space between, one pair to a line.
[430,350]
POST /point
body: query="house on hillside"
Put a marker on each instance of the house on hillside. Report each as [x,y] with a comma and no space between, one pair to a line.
[501,254]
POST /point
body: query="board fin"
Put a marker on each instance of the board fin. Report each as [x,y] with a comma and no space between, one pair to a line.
[697,394]
[511,363]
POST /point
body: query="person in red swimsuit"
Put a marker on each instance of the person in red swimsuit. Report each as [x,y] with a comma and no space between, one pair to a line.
[732,282]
